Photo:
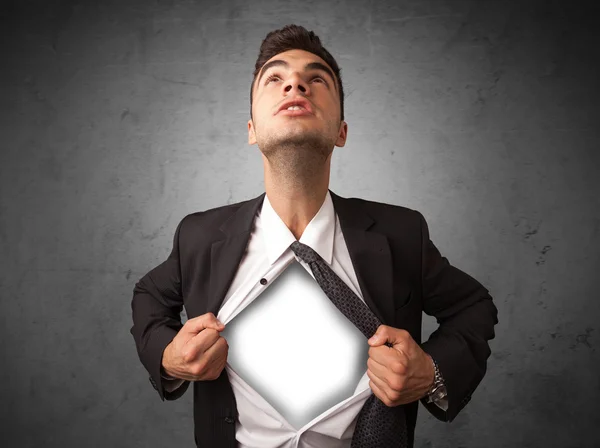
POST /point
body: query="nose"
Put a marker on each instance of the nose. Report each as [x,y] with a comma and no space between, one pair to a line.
[296,82]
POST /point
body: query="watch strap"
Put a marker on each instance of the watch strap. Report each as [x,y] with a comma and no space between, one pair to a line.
[438,381]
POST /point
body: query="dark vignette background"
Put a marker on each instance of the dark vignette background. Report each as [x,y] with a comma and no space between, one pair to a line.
[120,117]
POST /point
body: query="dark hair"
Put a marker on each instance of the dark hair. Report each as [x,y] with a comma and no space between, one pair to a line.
[295,37]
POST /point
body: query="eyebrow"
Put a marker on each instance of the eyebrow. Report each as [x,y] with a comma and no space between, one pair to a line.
[307,67]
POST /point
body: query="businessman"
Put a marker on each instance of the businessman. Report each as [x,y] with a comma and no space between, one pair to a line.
[380,251]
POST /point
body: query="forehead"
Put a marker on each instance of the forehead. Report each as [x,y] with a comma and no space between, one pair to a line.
[296,59]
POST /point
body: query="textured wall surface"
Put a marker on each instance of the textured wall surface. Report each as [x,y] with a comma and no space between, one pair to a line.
[119,118]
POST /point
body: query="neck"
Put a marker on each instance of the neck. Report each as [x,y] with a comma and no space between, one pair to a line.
[296,199]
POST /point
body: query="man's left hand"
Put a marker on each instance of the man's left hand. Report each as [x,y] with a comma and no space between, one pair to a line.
[399,374]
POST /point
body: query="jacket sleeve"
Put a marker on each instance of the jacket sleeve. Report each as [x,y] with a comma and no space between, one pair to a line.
[466,316]
[156,306]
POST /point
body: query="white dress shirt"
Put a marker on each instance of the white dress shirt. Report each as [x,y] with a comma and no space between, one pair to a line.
[268,254]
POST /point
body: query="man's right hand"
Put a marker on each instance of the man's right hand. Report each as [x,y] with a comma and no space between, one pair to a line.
[197,352]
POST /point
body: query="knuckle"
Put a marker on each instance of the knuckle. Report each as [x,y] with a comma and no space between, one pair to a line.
[398,367]
[397,385]
[199,368]
[188,356]
[193,320]
[209,334]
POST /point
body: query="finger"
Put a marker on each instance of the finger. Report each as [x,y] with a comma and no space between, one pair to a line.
[389,336]
[387,355]
[201,343]
[379,382]
[392,376]
[208,361]
[197,324]
[217,349]
[216,354]
[376,367]
[378,389]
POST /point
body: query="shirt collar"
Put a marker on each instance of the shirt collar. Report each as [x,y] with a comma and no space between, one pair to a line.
[318,234]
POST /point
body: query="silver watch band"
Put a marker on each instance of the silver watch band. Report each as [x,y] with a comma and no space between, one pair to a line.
[438,382]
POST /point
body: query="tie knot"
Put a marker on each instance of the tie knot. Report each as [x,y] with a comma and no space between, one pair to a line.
[304,252]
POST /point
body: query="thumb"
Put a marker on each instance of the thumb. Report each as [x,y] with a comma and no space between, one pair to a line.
[380,337]
[197,324]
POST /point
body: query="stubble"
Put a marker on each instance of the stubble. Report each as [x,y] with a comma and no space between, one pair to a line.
[297,159]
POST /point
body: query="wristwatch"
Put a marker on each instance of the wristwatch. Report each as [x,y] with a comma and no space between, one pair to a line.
[438,390]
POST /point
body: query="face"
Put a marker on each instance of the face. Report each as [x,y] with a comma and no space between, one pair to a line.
[282,136]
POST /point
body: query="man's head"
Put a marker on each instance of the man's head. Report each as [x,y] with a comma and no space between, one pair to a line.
[294,37]
[292,64]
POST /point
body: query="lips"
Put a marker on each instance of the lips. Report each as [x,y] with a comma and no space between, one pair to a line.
[296,102]
[295,113]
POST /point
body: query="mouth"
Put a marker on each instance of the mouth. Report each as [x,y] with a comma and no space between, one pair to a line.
[294,111]
[297,106]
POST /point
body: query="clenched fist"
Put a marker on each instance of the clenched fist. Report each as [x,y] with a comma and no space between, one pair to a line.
[400,373]
[197,352]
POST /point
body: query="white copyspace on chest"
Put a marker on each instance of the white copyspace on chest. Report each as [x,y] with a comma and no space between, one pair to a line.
[296,349]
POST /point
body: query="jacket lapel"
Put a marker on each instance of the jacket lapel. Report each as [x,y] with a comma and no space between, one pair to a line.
[226,253]
[369,253]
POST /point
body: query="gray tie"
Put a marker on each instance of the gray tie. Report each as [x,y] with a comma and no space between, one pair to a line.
[378,425]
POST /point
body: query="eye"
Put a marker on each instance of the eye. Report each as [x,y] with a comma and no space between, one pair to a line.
[275,76]
[270,78]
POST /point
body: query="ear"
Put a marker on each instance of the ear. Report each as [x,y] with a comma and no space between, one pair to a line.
[342,134]
[251,136]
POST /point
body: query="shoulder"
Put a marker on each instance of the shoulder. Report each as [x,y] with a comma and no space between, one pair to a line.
[375,206]
[383,212]
[210,220]
[405,228]
[214,215]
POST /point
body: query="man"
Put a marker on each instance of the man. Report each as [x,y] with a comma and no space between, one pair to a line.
[398,268]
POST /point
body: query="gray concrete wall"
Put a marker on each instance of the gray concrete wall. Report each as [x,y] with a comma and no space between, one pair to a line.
[119,118]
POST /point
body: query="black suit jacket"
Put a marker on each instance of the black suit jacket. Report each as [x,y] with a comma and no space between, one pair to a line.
[400,273]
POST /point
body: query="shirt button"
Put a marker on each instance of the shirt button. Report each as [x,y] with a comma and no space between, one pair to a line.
[263,281]
[228,420]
